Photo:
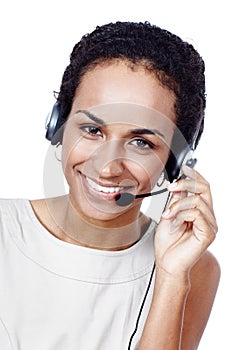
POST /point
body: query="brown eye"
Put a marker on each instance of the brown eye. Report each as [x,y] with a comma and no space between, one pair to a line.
[91,130]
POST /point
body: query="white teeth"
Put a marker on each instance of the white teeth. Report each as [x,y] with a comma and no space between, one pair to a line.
[99,188]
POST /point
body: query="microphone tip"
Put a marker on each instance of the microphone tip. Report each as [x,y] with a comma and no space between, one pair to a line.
[124,199]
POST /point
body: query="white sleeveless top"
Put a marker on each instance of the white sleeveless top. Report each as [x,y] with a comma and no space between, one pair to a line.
[58,296]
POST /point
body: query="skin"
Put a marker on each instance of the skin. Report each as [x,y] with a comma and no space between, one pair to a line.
[183,289]
[187,275]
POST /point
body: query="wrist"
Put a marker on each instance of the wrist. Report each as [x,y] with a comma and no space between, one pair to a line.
[178,280]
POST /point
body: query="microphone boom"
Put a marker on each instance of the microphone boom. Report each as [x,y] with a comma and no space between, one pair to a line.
[124,199]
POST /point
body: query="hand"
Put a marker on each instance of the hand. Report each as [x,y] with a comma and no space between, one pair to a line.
[188,225]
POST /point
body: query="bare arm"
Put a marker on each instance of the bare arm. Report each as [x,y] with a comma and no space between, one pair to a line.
[187,275]
[163,327]
[204,276]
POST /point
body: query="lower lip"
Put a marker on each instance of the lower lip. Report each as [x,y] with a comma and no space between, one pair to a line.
[98,194]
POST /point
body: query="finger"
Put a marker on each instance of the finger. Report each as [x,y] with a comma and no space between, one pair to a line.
[190,202]
[194,183]
[176,196]
[193,173]
[201,227]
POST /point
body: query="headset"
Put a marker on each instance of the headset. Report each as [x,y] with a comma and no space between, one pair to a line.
[181,152]
[54,122]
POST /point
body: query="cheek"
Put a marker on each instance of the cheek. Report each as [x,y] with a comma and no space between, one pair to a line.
[146,174]
[75,150]
[153,167]
[72,155]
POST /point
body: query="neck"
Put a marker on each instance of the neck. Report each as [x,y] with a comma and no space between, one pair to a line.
[72,226]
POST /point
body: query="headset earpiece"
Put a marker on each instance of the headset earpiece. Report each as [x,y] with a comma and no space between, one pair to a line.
[52,122]
[181,154]
[55,122]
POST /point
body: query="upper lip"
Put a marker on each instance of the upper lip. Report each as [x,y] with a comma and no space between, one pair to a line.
[107,184]
[103,184]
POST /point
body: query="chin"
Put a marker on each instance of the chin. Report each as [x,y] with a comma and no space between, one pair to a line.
[99,210]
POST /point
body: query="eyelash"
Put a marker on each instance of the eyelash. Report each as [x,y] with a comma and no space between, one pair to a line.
[88,129]
[146,143]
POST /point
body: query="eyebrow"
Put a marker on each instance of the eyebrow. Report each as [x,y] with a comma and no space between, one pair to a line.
[134,131]
[147,132]
[91,116]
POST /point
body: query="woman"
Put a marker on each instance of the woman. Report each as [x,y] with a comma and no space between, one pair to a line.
[84,271]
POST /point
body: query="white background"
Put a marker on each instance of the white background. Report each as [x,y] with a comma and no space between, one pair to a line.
[36,40]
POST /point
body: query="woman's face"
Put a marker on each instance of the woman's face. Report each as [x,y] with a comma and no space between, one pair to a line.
[116,139]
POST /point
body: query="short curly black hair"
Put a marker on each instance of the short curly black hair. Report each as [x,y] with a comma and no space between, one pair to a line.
[175,62]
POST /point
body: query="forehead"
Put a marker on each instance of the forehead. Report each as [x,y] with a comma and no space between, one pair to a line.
[118,83]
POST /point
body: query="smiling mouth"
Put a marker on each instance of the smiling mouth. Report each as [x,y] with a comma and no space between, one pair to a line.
[106,189]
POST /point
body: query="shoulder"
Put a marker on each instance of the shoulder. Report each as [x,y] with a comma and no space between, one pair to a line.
[7,205]
[11,210]
[204,278]
[10,207]
[206,272]
[15,213]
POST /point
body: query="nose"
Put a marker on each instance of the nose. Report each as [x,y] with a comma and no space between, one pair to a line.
[109,160]
[113,168]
